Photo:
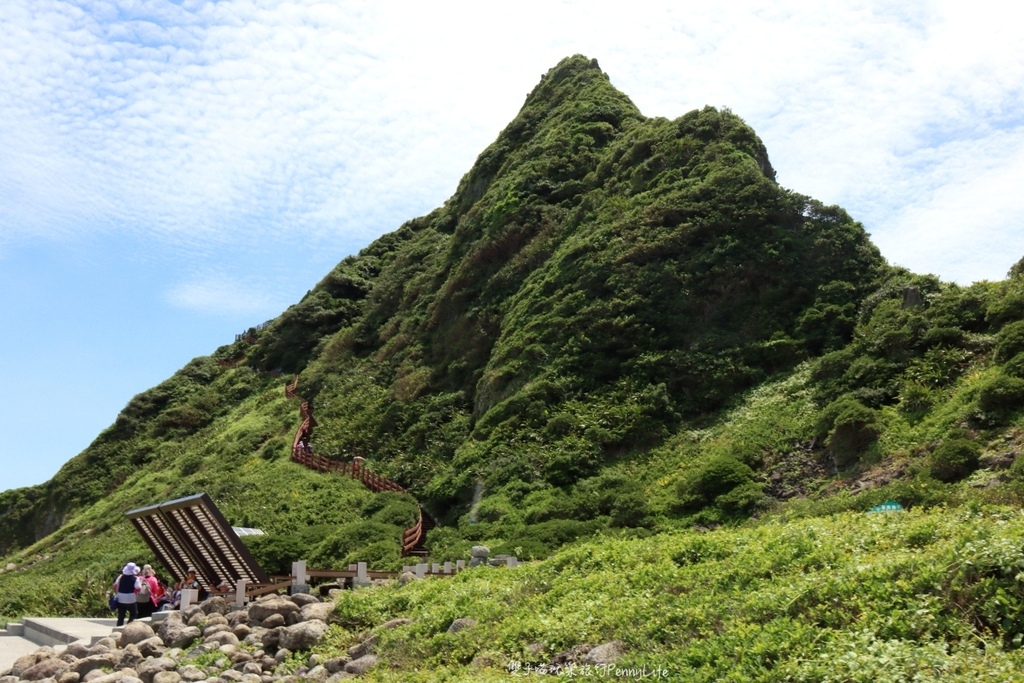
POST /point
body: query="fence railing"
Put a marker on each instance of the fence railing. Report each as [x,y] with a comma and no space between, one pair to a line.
[302,453]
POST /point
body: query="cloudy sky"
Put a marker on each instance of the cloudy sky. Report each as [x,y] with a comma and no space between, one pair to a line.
[173,172]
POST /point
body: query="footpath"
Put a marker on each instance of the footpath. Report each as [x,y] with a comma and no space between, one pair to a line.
[35,632]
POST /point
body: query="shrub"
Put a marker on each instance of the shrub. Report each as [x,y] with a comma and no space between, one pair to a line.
[851,426]
[1010,341]
[1001,396]
[954,459]
[1015,366]
[718,476]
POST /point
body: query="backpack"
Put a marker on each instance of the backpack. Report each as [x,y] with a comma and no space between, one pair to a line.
[143,593]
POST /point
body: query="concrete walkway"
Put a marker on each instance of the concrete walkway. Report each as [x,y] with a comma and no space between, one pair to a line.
[35,632]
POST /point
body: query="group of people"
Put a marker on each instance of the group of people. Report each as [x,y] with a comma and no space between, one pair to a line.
[139,592]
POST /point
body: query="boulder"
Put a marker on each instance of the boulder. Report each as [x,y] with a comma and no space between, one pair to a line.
[407,577]
[152,647]
[26,662]
[122,676]
[191,673]
[103,645]
[364,648]
[321,611]
[175,633]
[231,675]
[317,673]
[77,650]
[604,654]
[362,665]
[395,623]
[151,667]
[274,604]
[69,677]
[303,635]
[131,657]
[272,637]
[241,630]
[273,621]
[215,605]
[51,667]
[303,599]
[93,662]
[461,624]
[222,638]
[336,664]
[167,677]
[135,632]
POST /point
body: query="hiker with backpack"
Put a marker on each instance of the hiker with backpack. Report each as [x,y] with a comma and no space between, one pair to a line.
[149,589]
[125,586]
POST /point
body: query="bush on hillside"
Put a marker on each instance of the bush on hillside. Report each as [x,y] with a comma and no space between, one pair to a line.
[954,459]
[851,428]
[1000,397]
[1010,341]
[719,475]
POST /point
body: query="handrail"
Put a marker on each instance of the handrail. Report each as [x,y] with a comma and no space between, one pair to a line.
[413,537]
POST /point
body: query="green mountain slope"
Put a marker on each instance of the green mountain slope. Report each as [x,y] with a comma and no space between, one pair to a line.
[616,325]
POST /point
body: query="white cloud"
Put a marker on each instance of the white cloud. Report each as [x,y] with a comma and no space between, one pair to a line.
[219,294]
[205,124]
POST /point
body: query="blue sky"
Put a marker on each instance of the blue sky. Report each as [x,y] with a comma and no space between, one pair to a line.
[172,173]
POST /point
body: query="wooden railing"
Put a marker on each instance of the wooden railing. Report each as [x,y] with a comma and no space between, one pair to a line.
[302,453]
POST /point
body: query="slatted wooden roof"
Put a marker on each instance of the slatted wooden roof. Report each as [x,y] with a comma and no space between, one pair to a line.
[191,532]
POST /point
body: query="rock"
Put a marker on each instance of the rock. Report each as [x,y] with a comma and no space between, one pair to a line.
[215,605]
[69,677]
[152,647]
[197,619]
[231,675]
[273,621]
[479,551]
[274,604]
[192,673]
[336,664]
[272,637]
[489,660]
[77,650]
[321,611]
[282,654]
[25,662]
[103,645]
[364,648]
[93,662]
[222,638]
[131,657]
[51,667]
[395,623]
[303,599]
[604,654]
[175,633]
[303,635]
[167,677]
[238,616]
[251,678]
[122,676]
[317,673]
[241,630]
[151,667]
[252,668]
[188,614]
[362,665]
[338,677]
[407,577]
[461,624]
[135,632]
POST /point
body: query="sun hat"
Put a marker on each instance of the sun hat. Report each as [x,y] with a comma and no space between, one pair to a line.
[130,569]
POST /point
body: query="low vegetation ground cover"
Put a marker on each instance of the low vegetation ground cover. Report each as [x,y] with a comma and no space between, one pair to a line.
[922,595]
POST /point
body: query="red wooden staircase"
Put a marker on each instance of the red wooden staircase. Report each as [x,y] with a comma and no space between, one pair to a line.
[413,538]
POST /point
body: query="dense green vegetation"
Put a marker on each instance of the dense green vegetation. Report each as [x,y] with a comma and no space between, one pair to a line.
[618,328]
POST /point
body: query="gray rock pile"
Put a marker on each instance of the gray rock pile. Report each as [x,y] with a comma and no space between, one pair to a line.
[212,642]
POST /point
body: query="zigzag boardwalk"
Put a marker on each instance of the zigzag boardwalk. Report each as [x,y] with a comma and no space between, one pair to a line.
[414,537]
